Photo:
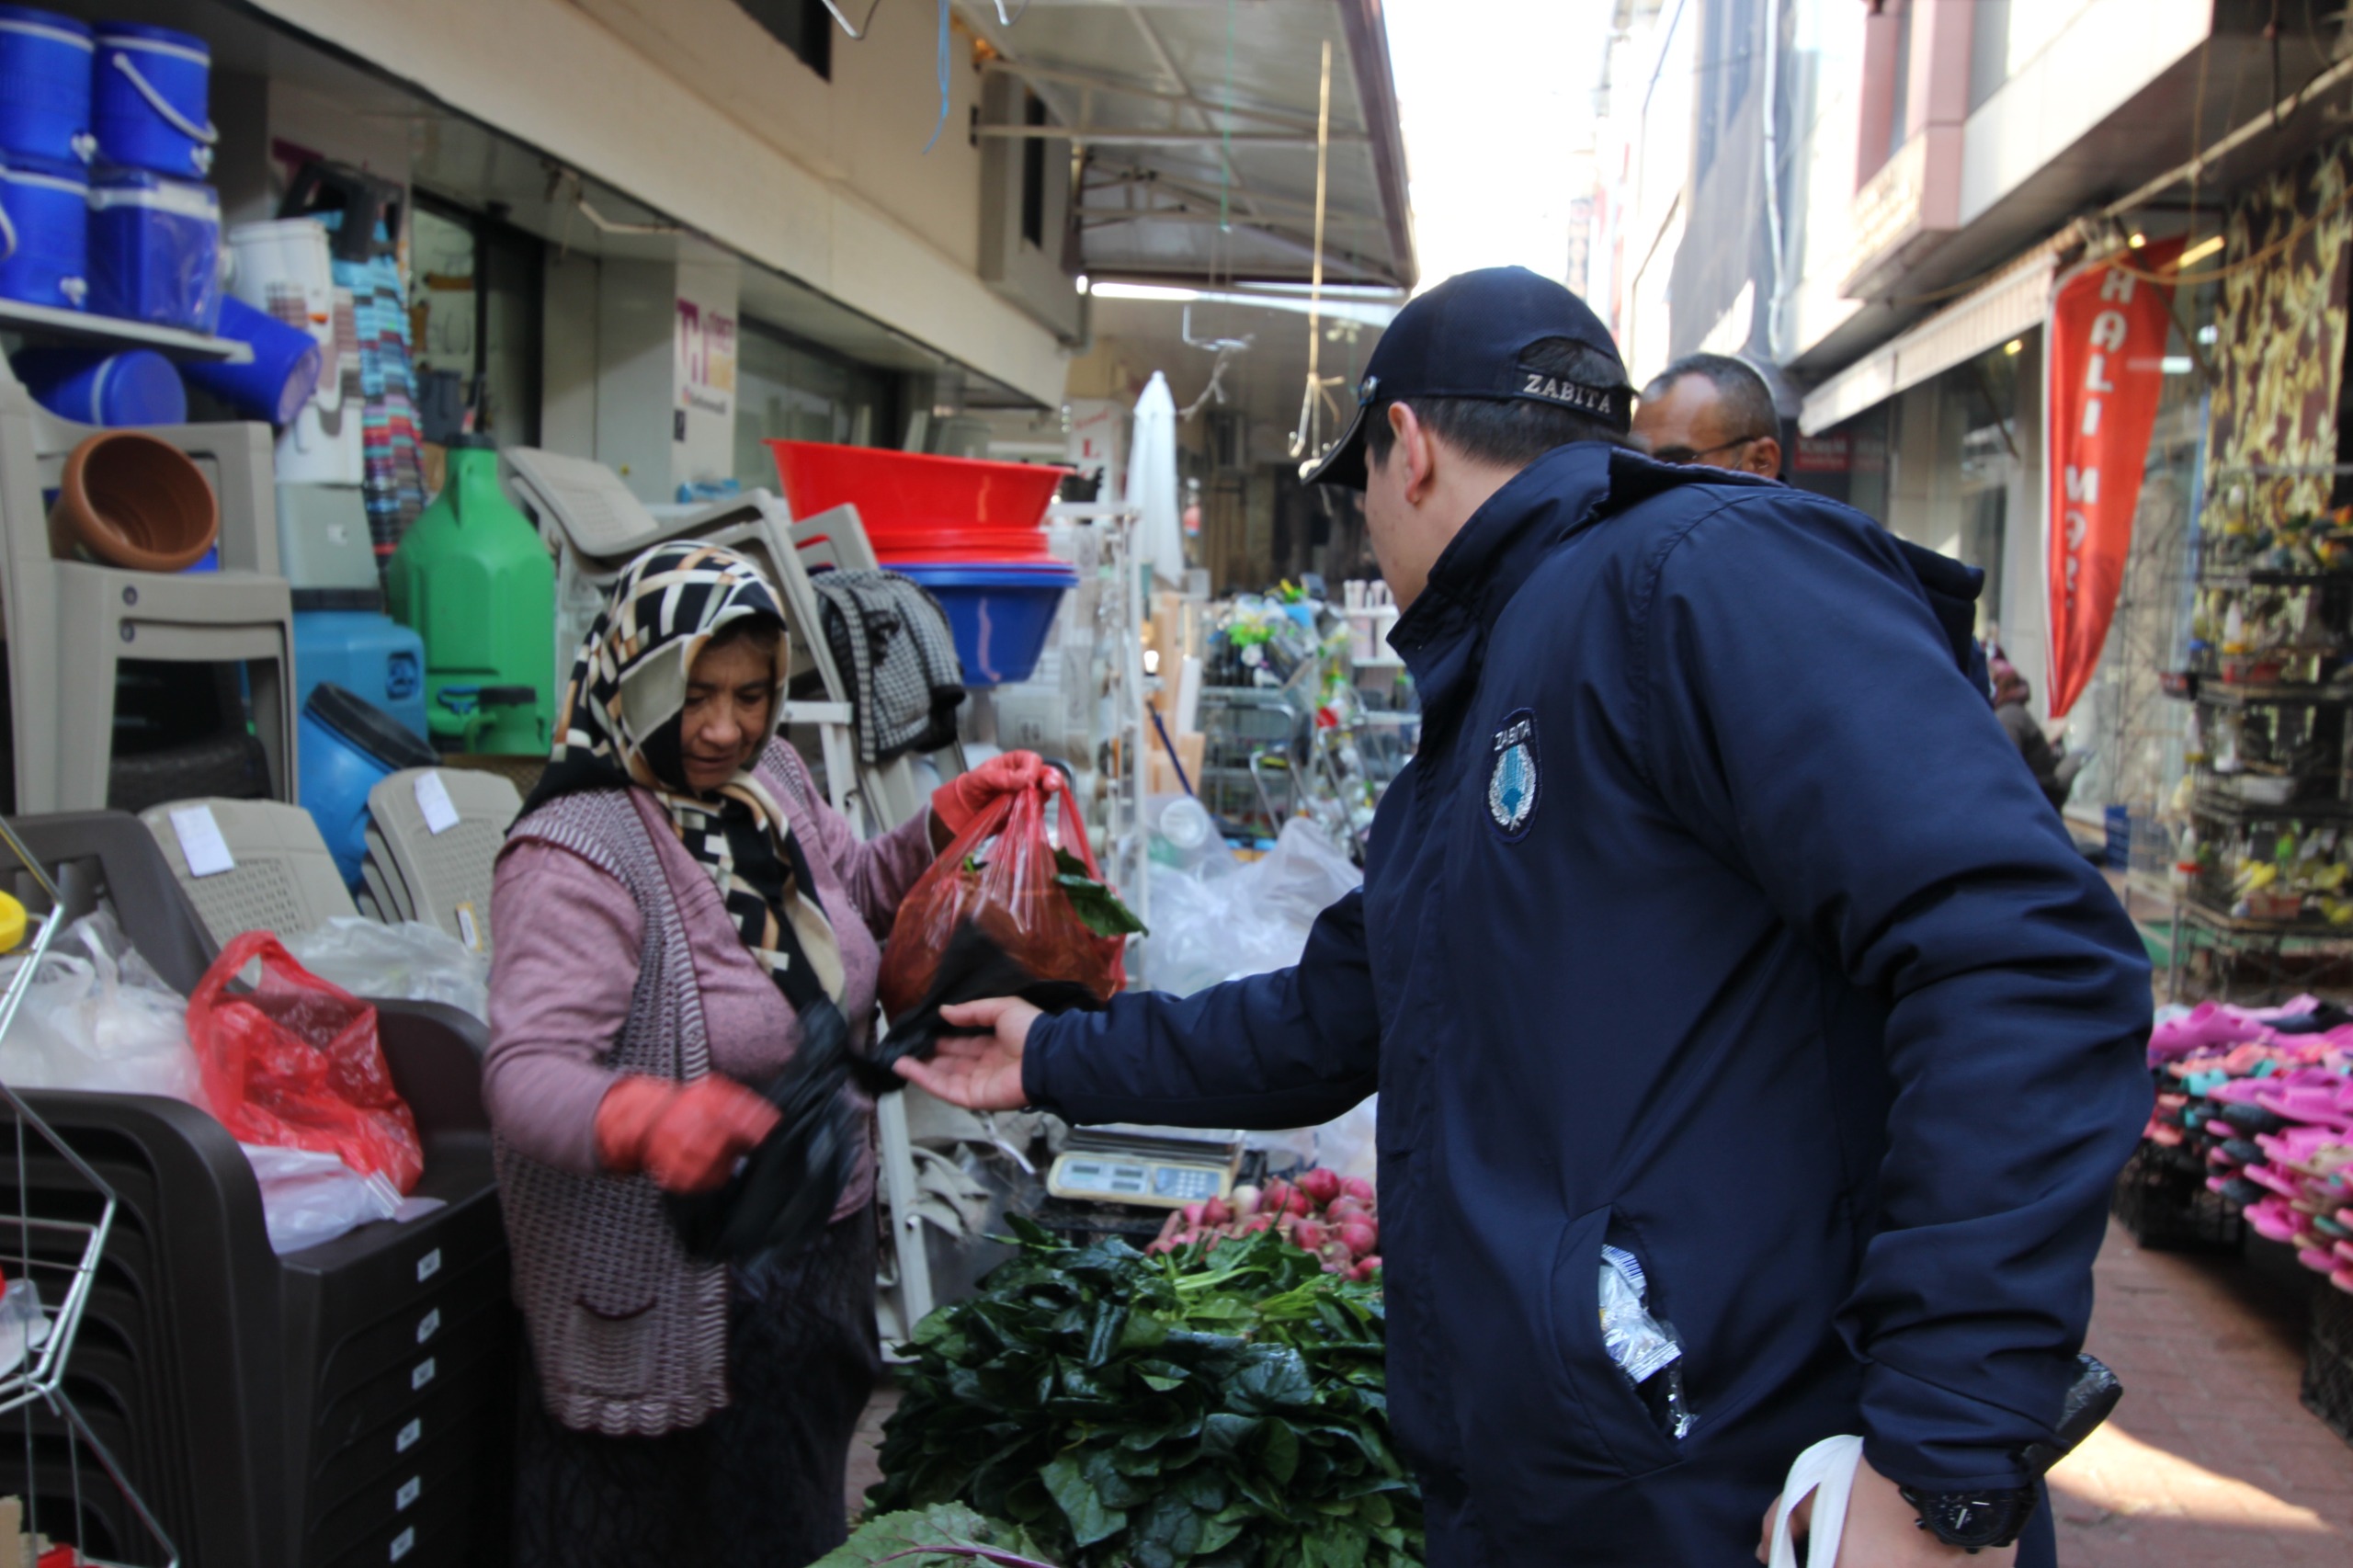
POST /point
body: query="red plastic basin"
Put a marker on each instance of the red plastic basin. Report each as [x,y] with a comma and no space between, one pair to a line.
[998,505]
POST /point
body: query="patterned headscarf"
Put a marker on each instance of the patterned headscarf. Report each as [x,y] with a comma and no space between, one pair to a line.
[622,725]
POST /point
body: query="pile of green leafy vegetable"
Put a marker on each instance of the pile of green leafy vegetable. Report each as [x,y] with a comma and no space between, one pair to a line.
[1218,1408]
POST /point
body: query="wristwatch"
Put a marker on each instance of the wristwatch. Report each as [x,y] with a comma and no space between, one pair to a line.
[1973,1520]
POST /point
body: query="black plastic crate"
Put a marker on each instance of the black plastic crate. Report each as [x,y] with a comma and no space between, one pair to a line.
[2162,1197]
[2328,1361]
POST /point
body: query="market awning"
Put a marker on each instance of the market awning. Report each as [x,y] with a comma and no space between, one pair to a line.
[1197,123]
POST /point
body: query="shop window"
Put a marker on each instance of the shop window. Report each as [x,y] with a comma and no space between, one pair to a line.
[475,306]
[792,391]
[804,26]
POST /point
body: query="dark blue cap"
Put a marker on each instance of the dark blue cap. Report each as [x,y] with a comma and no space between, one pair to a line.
[1465,339]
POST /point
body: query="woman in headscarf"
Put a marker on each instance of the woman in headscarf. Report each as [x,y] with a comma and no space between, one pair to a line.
[674,899]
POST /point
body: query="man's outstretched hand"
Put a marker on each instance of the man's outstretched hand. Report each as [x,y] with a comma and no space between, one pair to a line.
[977,1072]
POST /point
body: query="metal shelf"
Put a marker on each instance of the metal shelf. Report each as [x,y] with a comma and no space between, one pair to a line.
[2214,803]
[2270,577]
[2225,694]
[78,326]
[2217,920]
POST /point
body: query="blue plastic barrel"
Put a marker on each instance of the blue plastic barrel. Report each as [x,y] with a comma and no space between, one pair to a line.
[90,386]
[281,377]
[150,100]
[46,238]
[44,85]
[346,744]
[154,249]
[342,637]
[1001,615]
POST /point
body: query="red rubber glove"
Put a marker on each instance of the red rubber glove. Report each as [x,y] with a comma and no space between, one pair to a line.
[688,1137]
[961,798]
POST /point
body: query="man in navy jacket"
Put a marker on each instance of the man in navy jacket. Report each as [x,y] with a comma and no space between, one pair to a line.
[1716,923]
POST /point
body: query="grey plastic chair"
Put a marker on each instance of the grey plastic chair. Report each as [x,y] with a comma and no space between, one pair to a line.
[284,879]
[445,876]
[71,624]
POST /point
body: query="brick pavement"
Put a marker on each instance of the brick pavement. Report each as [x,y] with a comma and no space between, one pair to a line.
[2211,1461]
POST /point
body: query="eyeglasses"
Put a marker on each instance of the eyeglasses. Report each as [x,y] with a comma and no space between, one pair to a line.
[1679,456]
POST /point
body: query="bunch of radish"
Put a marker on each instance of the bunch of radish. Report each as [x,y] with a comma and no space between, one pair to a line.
[1331,1216]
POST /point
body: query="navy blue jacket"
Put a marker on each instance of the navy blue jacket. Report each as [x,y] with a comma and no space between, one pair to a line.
[1766,960]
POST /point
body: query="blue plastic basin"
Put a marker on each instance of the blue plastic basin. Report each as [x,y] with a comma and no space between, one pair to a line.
[1001,615]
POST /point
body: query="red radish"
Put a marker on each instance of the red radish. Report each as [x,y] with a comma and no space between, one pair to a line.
[1357,1189]
[1300,1203]
[1346,1209]
[1275,1194]
[1320,1185]
[1247,1200]
[1360,1238]
[1196,1214]
[1256,1224]
[1216,1212]
[1365,1269]
[1311,1234]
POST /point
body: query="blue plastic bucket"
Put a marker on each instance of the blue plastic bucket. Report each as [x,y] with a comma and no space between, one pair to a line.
[345,745]
[342,637]
[1001,615]
[281,377]
[92,387]
[154,249]
[44,85]
[150,100]
[46,238]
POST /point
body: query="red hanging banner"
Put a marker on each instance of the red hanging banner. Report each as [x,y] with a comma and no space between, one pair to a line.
[2104,357]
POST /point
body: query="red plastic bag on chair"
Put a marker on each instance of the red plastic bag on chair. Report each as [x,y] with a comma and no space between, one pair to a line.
[1000,874]
[294,1064]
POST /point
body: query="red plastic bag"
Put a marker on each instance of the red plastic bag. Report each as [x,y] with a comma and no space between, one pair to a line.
[294,1064]
[1012,896]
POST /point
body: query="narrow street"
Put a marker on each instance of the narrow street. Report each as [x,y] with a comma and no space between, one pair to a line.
[2210,1460]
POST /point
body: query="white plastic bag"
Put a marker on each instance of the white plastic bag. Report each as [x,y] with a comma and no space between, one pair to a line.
[96,1017]
[309,1197]
[407,962]
[1826,1470]
[1248,921]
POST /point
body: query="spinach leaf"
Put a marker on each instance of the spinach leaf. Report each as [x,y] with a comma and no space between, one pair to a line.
[1220,1409]
[1099,907]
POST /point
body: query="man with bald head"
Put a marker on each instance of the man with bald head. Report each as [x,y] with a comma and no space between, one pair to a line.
[1710,409]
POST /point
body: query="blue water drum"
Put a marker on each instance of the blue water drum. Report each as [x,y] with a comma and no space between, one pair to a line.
[154,249]
[342,637]
[150,90]
[90,386]
[45,241]
[346,744]
[44,85]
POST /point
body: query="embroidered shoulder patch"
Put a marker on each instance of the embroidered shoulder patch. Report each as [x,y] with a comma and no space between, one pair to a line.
[1512,782]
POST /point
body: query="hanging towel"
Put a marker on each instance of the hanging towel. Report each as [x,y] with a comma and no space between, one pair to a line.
[891,641]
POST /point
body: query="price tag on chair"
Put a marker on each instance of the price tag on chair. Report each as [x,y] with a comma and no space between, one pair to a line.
[202,846]
[433,800]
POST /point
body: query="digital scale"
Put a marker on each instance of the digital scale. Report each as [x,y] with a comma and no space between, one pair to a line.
[1157,1167]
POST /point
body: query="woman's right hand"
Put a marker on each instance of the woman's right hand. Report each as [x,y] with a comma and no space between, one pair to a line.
[980,1071]
[687,1137]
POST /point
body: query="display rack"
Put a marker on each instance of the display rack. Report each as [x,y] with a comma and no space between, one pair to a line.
[2264,858]
[1119,677]
[79,327]
[57,1256]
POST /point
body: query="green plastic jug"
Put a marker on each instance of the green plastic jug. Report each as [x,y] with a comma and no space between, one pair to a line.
[472,578]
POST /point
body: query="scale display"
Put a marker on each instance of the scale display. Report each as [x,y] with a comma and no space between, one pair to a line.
[1096,1177]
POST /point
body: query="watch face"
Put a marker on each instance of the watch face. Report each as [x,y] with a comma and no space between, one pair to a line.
[1973,1518]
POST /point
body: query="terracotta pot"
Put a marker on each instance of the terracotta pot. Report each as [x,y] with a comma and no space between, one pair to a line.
[127,499]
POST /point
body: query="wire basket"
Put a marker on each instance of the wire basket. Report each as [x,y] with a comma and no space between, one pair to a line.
[2162,1197]
[2328,1361]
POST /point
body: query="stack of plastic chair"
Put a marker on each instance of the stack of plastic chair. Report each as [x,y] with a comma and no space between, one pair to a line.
[281,877]
[349,1403]
[73,625]
[433,841]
